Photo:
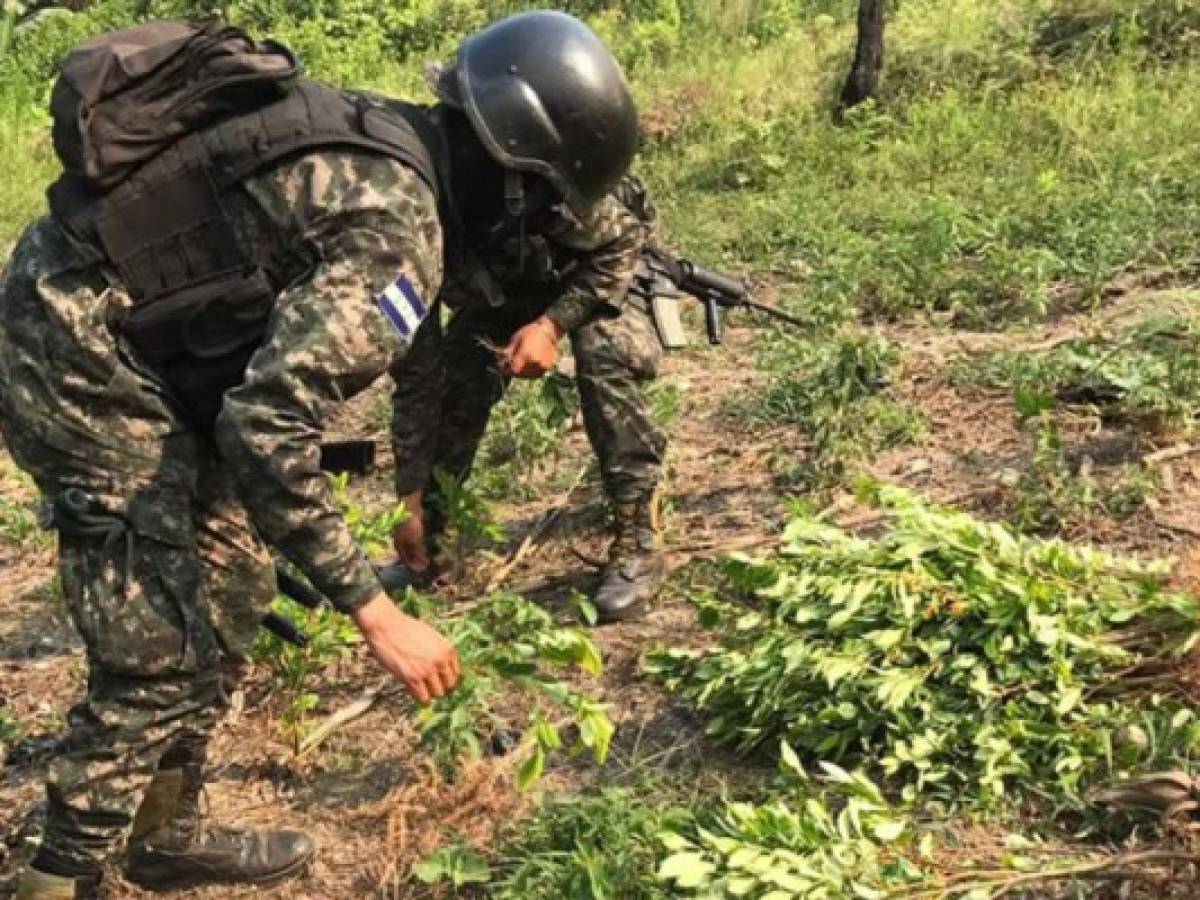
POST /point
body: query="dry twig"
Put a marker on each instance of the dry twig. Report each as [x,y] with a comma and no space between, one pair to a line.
[536,532]
[346,715]
[1001,882]
[1178,451]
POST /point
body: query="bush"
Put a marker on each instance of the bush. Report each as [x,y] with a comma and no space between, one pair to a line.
[958,659]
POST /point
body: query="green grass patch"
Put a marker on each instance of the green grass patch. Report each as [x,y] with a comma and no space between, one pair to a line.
[19,519]
[832,388]
[1146,375]
[966,191]
[598,845]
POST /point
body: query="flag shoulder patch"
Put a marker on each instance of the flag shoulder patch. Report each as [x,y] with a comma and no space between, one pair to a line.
[403,307]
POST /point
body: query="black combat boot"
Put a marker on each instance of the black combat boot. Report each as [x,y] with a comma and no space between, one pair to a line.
[38,885]
[636,567]
[186,852]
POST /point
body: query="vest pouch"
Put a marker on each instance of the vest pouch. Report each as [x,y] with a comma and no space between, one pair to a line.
[201,338]
[232,317]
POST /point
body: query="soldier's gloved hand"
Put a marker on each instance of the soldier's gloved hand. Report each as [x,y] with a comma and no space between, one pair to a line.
[415,653]
[533,350]
[408,538]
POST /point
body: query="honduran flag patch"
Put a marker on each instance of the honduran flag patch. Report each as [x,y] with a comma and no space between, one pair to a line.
[403,307]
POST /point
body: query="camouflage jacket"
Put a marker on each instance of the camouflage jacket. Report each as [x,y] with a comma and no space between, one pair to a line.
[352,235]
[374,227]
[572,273]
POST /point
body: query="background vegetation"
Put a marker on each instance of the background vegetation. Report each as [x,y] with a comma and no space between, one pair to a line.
[1024,151]
[1026,160]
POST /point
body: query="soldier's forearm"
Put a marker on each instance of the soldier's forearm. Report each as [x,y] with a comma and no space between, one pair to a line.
[289,499]
[573,310]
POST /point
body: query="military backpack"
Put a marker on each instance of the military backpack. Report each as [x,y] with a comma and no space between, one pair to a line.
[154,124]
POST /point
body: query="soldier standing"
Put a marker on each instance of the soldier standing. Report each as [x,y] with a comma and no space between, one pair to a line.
[232,251]
[524,293]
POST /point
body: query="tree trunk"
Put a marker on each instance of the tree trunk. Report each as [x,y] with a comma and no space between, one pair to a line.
[863,81]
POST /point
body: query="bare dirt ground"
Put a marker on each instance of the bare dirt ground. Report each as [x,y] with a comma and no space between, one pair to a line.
[370,796]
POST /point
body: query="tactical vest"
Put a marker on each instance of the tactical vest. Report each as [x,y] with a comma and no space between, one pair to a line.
[534,269]
[200,301]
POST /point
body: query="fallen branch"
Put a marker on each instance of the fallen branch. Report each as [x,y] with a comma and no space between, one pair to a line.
[346,715]
[1181,527]
[1112,867]
[1178,451]
[737,542]
[592,561]
[536,532]
[1000,882]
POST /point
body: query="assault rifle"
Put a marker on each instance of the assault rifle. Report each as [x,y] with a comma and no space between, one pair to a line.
[661,278]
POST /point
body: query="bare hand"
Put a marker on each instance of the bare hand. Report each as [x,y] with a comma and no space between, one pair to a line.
[408,538]
[415,653]
[533,350]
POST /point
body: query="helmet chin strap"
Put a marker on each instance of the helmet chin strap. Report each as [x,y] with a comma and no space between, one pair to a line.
[515,207]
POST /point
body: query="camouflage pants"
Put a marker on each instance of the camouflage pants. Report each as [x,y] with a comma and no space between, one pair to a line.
[168,600]
[614,358]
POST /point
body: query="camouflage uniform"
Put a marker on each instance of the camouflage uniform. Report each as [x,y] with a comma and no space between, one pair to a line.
[441,407]
[172,594]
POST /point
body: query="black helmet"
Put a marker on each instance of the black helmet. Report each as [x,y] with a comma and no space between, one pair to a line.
[545,96]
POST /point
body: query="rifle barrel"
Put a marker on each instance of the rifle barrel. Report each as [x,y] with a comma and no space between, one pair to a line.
[774,311]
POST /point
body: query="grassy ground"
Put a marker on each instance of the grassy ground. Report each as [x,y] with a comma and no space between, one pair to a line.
[995,261]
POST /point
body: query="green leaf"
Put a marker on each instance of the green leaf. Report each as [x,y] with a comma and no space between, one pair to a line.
[887,831]
[898,685]
[790,761]
[531,769]
[473,869]
[589,657]
[1068,700]
[430,871]
[673,841]
[741,885]
[886,638]
[596,732]
[687,869]
[457,864]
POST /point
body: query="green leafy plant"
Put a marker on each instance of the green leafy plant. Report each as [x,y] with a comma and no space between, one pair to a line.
[455,864]
[594,846]
[469,521]
[1049,494]
[331,636]
[1146,374]
[961,660]
[513,655]
[526,429]
[372,529]
[804,847]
